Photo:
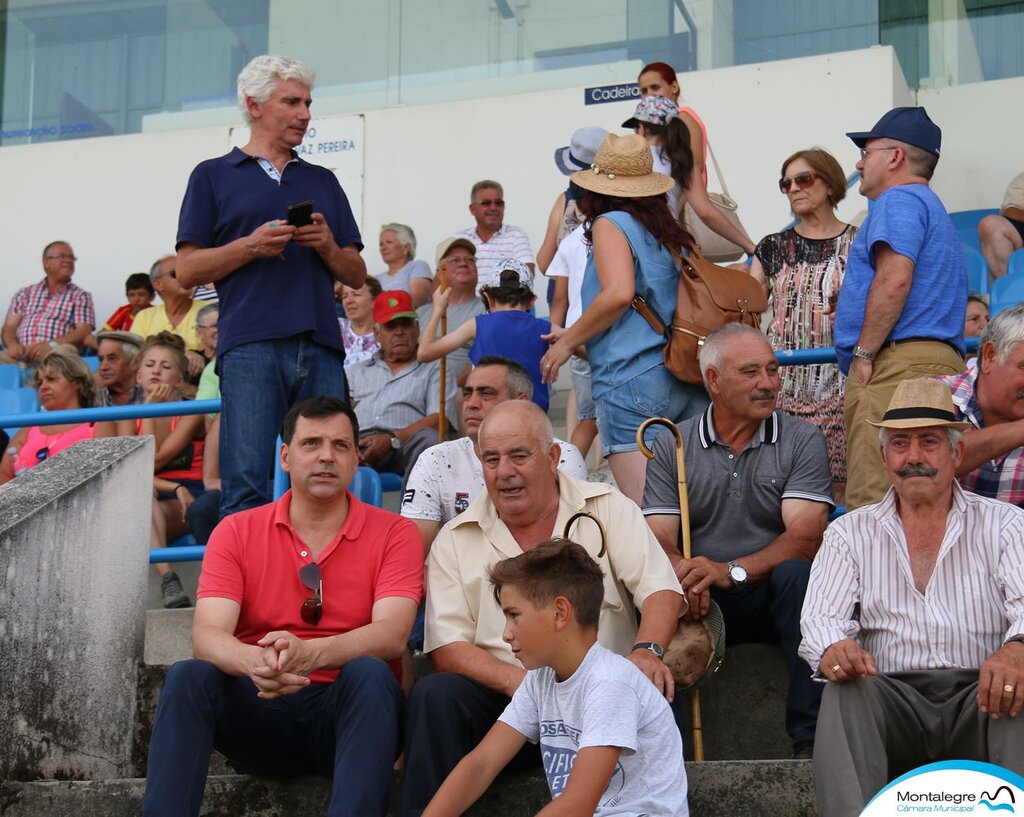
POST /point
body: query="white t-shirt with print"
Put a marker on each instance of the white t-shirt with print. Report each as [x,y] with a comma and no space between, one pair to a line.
[606,702]
[448,476]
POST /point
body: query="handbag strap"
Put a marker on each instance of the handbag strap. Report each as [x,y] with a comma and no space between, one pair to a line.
[718,170]
[645,311]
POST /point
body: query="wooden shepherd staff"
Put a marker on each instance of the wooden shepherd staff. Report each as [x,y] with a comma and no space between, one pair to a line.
[684,522]
[442,421]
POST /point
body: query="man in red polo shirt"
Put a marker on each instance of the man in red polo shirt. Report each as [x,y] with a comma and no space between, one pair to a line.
[300,604]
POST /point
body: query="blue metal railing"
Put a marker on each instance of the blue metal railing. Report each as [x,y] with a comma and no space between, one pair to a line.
[188,553]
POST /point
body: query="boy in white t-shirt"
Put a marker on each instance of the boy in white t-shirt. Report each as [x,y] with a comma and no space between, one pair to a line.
[608,741]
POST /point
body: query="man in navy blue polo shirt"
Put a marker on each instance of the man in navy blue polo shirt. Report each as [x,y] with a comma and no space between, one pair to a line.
[903,299]
[279,340]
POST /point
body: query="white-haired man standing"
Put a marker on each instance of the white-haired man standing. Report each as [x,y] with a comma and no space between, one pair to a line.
[279,340]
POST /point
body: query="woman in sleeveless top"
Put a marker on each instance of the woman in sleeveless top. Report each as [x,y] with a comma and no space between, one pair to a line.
[63,382]
[802,269]
[634,238]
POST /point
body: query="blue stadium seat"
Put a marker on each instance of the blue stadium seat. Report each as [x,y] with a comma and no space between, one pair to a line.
[1015,266]
[366,484]
[17,401]
[977,270]
[92,361]
[966,223]
[10,376]
[391,482]
[1006,292]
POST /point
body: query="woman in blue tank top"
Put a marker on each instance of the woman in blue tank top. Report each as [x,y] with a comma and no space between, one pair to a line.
[634,237]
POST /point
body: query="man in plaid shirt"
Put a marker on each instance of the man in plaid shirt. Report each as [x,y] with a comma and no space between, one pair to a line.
[990,396]
[51,312]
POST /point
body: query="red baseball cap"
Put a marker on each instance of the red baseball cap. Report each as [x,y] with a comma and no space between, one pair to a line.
[393,304]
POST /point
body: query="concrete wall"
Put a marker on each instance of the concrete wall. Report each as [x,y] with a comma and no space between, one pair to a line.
[73,538]
[116,199]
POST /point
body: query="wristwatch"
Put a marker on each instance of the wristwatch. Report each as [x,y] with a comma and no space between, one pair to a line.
[1015,639]
[864,354]
[655,649]
[395,444]
[738,574]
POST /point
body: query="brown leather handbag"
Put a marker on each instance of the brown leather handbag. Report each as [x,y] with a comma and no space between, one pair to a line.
[708,296]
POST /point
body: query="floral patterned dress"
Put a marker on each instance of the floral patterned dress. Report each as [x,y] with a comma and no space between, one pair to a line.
[357,347]
[802,275]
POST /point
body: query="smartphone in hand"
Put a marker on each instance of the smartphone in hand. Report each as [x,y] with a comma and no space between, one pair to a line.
[300,214]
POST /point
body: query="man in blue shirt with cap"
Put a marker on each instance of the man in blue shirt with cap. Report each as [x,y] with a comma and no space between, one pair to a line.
[903,299]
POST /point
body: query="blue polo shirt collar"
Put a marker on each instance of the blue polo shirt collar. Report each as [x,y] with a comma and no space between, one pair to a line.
[767,432]
[237,156]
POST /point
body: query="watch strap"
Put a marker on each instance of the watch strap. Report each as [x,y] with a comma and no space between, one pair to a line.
[655,649]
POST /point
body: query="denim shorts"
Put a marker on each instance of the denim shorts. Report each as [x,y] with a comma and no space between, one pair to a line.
[654,393]
[580,369]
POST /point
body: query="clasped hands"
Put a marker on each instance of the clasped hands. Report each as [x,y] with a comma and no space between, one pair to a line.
[283,665]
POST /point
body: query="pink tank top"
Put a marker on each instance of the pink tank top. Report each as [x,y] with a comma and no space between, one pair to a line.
[704,133]
[39,446]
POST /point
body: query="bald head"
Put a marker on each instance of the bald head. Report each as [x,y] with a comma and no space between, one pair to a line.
[520,463]
[528,417]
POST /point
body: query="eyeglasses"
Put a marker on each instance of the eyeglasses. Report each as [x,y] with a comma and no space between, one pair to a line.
[64,256]
[460,259]
[801,181]
[313,607]
[212,326]
[865,151]
[491,202]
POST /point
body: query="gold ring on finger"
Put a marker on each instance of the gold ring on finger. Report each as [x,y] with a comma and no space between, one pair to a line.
[836,668]
[1008,688]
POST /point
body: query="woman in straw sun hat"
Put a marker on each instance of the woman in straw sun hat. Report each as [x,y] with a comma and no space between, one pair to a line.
[634,237]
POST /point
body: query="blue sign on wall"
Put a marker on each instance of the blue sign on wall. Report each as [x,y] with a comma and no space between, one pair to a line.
[611,93]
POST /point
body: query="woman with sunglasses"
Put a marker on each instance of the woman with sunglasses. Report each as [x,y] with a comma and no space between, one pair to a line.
[63,382]
[802,269]
[178,459]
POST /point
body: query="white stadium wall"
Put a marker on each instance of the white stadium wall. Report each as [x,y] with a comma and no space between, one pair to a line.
[116,199]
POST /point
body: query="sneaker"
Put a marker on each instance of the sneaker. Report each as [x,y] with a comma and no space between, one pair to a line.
[173,594]
[803,750]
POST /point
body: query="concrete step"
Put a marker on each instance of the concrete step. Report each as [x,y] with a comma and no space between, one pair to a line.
[782,788]
[743,707]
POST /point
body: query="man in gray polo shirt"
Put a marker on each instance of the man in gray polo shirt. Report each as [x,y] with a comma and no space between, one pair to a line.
[760,492]
[397,399]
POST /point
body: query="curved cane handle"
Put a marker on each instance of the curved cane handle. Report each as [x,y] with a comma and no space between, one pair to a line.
[600,527]
[656,421]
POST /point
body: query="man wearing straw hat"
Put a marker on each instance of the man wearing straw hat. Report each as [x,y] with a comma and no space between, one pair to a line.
[759,498]
[915,617]
[527,502]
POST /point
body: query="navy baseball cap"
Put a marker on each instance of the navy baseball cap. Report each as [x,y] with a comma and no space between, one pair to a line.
[910,125]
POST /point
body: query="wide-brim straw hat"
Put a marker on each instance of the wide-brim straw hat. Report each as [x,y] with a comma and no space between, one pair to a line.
[624,167]
[921,403]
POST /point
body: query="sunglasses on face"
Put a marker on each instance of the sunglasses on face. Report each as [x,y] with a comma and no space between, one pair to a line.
[491,202]
[801,180]
[313,607]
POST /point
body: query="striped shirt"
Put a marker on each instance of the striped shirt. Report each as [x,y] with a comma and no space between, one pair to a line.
[46,316]
[1000,478]
[508,242]
[974,600]
[388,402]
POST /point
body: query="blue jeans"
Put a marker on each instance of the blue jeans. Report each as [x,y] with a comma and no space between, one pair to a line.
[259,382]
[348,730]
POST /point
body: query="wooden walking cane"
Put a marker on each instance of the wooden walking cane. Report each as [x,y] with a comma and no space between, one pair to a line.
[684,523]
[442,422]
